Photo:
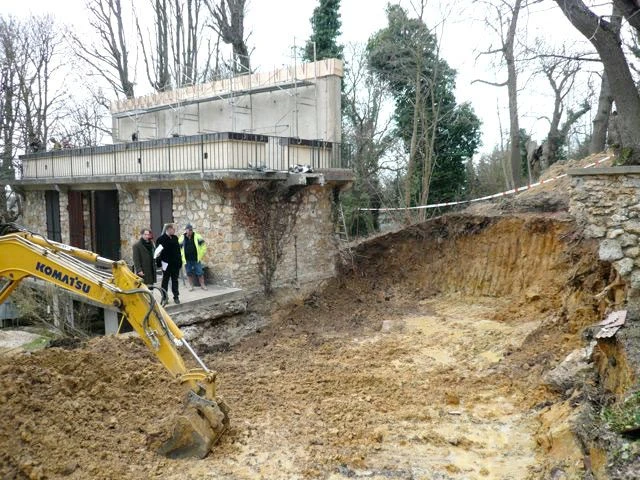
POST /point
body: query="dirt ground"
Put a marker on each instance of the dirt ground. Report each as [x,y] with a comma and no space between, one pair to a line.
[424,361]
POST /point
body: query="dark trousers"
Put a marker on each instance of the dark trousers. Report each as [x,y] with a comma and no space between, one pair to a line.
[172,272]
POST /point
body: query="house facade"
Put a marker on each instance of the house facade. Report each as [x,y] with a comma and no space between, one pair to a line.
[199,155]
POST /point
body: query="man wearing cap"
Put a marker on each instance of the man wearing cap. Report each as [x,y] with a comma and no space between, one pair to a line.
[193,249]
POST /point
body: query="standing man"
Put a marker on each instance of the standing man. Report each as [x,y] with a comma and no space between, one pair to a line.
[143,262]
[170,258]
[193,249]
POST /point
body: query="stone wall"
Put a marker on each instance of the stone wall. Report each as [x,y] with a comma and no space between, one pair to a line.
[86,219]
[309,252]
[606,203]
[135,215]
[64,218]
[312,248]
[35,216]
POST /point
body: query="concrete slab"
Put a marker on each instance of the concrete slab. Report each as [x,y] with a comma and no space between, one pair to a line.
[199,297]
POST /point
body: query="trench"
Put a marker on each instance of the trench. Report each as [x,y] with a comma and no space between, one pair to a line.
[424,359]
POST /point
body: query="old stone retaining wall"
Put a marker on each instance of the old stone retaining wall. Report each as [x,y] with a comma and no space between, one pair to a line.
[606,203]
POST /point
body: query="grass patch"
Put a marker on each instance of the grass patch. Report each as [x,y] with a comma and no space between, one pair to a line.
[35,344]
[624,417]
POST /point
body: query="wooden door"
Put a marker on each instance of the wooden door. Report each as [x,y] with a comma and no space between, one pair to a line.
[76,219]
[161,203]
[106,218]
[52,203]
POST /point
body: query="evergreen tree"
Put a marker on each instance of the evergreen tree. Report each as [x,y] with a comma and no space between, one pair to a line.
[439,135]
[326,24]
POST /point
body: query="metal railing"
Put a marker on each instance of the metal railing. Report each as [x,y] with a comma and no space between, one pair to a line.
[189,154]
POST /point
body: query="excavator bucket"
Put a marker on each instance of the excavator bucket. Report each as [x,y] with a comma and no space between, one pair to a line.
[197,429]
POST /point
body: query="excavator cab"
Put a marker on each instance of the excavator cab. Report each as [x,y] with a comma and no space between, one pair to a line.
[111,283]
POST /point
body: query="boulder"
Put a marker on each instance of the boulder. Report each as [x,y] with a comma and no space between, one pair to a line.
[573,370]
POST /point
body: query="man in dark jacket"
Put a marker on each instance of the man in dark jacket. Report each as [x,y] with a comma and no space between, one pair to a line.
[143,263]
[170,258]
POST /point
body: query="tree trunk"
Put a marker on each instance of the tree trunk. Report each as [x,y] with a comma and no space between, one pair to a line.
[229,24]
[550,146]
[605,39]
[512,87]
[601,119]
[414,147]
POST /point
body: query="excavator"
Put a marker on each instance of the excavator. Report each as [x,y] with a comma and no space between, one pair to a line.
[110,283]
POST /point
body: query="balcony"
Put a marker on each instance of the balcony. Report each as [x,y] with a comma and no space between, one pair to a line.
[189,155]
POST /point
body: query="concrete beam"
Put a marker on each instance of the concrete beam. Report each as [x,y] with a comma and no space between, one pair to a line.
[230,179]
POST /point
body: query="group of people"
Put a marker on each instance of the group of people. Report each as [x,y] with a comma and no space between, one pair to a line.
[36,145]
[170,252]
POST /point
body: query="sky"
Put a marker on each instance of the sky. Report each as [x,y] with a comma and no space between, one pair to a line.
[275,26]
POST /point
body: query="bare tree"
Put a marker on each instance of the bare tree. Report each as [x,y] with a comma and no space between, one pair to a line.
[156,55]
[188,43]
[228,22]
[30,63]
[605,37]
[560,71]
[367,130]
[9,97]
[41,46]
[505,26]
[110,55]
[172,48]
[85,121]
[9,104]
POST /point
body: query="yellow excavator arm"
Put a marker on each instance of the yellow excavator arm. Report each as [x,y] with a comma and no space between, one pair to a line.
[112,284]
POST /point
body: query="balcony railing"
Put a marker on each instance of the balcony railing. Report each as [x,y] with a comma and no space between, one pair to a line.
[197,153]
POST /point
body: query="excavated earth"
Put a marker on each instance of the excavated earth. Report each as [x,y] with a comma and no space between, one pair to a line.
[423,360]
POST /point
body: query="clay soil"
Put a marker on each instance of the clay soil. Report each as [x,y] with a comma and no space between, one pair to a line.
[422,361]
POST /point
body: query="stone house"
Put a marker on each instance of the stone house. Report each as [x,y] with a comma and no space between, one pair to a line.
[198,155]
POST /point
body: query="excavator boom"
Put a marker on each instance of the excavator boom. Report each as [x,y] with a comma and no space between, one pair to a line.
[112,284]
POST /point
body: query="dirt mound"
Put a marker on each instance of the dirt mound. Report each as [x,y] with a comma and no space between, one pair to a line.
[89,411]
[423,360]
[551,196]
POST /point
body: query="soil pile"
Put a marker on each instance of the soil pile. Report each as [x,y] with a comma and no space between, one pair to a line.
[551,196]
[424,360]
[89,412]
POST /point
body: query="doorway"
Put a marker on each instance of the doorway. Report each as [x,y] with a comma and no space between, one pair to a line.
[161,204]
[106,223]
[76,219]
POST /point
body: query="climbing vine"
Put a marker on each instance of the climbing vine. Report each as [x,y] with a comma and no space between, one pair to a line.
[269,215]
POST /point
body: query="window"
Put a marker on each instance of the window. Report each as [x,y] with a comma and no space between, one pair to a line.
[52,203]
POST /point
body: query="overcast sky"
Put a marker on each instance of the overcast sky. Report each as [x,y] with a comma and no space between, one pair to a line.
[276,24]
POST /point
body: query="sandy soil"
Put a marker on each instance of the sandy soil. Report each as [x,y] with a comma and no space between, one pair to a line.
[419,364]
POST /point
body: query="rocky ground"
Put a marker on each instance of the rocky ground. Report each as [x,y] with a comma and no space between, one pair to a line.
[424,360]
